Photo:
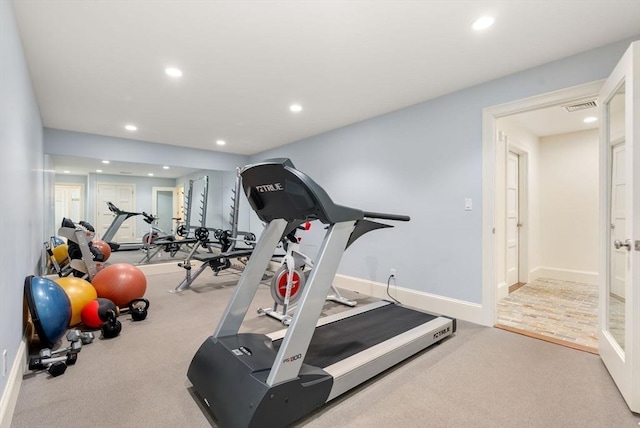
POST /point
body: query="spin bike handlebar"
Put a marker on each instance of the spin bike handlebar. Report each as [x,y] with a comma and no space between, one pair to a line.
[149,218]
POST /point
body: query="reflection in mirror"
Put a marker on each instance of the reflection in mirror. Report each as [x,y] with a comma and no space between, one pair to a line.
[618,254]
[80,189]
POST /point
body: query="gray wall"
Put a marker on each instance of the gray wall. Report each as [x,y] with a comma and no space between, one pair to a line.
[424,161]
[21,183]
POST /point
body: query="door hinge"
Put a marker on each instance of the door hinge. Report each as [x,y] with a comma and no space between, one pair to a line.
[637,246]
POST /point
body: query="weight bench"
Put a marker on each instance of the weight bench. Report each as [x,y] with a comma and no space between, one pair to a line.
[217,263]
[171,247]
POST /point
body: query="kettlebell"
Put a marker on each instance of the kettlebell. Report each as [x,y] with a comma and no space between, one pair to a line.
[138,309]
[112,327]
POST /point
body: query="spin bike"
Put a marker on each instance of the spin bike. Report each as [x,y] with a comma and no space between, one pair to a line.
[156,240]
[288,281]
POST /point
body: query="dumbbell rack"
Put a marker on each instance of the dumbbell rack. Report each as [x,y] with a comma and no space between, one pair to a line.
[188,199]
[248,237]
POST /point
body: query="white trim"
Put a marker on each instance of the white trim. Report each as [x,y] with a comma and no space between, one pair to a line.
[565,275]
[489,117]
[174,203]
[454,308]
[12,389]
[503,290]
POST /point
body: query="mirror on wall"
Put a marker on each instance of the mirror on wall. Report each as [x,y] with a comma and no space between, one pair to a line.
[81,188]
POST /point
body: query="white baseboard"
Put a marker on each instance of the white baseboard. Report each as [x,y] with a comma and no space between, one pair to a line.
[12,389]
[565,275]
[472,312]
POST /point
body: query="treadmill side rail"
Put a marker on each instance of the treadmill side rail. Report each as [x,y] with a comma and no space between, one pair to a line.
[247,287]
[360,367]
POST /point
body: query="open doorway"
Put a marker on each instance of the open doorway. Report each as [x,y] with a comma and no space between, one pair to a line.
[167,208]
[545,212]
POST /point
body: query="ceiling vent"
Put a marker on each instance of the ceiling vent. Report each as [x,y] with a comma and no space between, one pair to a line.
[581,106]
[126,172]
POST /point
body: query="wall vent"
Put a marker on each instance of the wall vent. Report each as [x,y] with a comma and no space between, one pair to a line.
[581,106]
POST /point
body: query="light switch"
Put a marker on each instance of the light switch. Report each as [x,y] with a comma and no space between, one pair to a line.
[468,204]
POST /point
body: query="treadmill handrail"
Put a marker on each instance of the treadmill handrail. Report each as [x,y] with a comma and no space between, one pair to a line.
[384,216]
[118,211]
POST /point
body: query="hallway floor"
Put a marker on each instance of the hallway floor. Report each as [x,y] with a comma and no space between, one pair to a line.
[561,310]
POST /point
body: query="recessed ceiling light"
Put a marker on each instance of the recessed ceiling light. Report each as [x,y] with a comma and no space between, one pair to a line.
[105,161]
[296,108]
[98,170]
[483,23]
[165,167]
[221,142]
[173,72]
[67,172]
[131,127]
[590,119]
[150,174]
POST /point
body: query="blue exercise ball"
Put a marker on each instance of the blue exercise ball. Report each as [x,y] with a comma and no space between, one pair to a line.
[50,308]
[56,240]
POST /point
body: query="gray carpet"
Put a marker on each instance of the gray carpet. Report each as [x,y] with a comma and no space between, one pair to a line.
[481,377]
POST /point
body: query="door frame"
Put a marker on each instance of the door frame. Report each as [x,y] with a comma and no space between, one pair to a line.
[174,203]
[489,138]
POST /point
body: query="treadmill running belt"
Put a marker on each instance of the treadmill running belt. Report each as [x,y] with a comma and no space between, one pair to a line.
[341,339]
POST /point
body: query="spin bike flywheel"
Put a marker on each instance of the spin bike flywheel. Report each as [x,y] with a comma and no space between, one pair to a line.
[279,285]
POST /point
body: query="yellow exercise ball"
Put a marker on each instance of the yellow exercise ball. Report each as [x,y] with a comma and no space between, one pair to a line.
[61,254]
[80,292]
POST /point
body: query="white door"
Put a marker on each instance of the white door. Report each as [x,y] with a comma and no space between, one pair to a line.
[513,161]
[122,196]
[619,335]
[69,204]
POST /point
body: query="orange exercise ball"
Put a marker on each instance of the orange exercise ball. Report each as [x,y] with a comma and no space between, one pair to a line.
[104,248]
[120,283]
[80,292]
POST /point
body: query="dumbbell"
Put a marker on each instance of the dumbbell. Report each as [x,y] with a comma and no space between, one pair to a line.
[76,346]
[85,337]
[56,366]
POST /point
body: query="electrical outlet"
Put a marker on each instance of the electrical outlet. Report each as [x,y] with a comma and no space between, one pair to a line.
[4,363]
[393,273]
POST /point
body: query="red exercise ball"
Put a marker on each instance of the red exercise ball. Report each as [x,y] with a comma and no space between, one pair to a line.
[94,313]
[104,248]
[120,283]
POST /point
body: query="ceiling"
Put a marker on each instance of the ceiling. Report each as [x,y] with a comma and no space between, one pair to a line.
[99,65]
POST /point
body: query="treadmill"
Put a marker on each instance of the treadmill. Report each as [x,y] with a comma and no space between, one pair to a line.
[251,380]
[110,233]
